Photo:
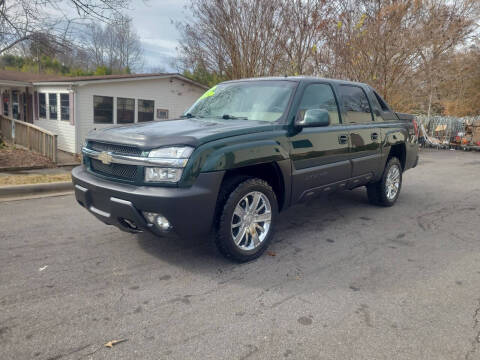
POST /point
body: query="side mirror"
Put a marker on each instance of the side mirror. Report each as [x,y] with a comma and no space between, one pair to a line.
[314,118]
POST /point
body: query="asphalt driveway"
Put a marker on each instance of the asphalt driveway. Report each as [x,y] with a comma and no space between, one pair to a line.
[348,281]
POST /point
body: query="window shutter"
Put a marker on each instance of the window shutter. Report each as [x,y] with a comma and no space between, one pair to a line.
[35,104]
[72,110]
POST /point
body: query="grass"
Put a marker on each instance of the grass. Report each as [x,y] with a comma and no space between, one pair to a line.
[33,179]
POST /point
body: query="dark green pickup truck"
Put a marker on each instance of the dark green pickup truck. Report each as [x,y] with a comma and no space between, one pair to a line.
[243,152]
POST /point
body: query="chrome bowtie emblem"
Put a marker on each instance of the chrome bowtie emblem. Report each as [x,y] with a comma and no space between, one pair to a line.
[105,157]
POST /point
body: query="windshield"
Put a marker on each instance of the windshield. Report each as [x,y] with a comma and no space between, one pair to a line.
[248,100]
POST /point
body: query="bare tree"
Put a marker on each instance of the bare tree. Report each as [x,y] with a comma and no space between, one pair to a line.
[445,26]
[115,46]
[305,22]
[128,46]
[20,20]
[235,38]
[396,45]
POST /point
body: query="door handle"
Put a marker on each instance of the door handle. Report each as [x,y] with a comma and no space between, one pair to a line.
[374,136]
[343,139]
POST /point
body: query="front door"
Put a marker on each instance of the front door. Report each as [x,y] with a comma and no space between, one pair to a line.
[320,155]
[364,132]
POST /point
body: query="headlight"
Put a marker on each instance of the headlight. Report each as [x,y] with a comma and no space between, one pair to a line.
[174,152]
[155,174]
[174,158]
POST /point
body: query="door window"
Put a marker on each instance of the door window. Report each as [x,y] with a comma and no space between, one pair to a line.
[319,96]
[42,107]
[356,104]
[65,107]
[52,106]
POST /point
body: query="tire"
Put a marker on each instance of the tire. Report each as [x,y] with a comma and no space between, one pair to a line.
[378,193]
[237,197]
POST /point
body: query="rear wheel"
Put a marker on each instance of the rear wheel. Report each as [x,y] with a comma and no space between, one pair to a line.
[385,192]
[247,217]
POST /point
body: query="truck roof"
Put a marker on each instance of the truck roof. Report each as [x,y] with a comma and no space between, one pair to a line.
[298,79]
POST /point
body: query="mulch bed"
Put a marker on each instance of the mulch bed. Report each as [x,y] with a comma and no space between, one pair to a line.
[11,157]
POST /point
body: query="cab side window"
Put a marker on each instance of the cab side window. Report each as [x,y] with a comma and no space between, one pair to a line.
[356,104]
[382,103]
[320,96]
[377,109]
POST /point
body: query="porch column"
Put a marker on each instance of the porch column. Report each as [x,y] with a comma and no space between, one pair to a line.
[10,105]
[28,99]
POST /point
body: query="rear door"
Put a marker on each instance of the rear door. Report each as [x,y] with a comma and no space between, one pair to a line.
[320,155]
[364,133]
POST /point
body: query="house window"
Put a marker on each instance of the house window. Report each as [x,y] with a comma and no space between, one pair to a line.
[52,106]
[42,105]
[162,114]
[125,110]
[145,110]
[65,107]
[6,100]
[15,105]
[102,109]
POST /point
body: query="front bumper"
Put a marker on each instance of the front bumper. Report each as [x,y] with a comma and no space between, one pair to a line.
[190,211]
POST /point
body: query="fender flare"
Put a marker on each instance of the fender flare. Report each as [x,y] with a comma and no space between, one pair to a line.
[244,154]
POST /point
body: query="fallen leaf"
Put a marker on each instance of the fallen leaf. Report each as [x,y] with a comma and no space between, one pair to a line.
[114,342]
[271,253]
[43,268]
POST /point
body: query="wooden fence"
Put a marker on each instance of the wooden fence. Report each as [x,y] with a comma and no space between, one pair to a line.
[30,136]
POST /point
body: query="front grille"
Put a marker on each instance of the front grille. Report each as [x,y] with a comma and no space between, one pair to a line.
[120,171]
[115,148]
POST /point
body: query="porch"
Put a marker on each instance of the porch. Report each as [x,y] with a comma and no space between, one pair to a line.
[17,100]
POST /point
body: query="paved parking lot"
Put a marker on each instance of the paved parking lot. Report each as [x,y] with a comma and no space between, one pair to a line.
[348,281]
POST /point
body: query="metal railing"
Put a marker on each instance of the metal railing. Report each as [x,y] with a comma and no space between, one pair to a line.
[29,136]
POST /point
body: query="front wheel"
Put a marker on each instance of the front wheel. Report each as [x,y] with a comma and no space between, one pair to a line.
[247,219]
[386,191]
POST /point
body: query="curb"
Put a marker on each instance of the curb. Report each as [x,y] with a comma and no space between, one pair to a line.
[68,164]
[21,168]
[35,189]
[36,167]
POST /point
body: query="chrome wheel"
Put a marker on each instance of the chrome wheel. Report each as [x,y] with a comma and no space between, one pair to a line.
[251,220]
[392,182]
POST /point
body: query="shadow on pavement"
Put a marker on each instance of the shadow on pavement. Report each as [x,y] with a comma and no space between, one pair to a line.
[200,255]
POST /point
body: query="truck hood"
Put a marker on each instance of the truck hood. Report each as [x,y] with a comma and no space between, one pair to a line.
[193,132]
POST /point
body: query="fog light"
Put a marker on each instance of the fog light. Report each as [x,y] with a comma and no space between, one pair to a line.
[154,174]
[158,220]
[162,223]
[150,216]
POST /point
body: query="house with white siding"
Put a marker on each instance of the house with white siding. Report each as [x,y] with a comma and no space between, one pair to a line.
[72,106]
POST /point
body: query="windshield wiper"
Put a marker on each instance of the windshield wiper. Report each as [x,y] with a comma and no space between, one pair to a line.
[190,115]
[231,117]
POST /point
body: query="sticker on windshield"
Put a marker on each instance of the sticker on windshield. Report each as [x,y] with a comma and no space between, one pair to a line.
[209,93]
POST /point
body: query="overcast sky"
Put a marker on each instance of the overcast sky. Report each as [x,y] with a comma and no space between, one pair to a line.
[152,20]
